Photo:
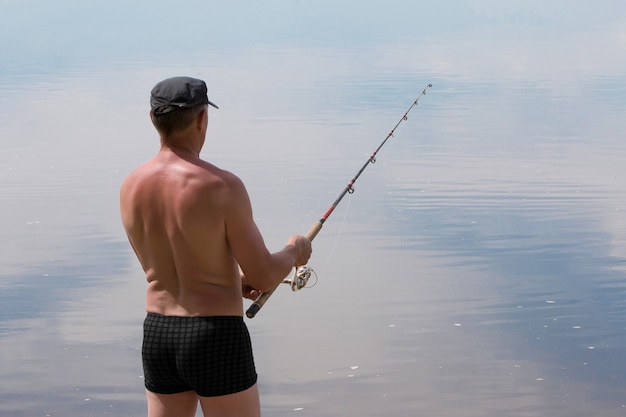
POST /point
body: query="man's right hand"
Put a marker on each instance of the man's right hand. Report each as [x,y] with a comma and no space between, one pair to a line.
[303,249]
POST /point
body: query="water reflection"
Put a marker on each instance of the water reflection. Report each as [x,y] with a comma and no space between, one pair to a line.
[477,270]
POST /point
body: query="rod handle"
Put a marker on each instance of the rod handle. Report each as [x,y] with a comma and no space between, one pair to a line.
[314,230]
[261,299]
[259,302]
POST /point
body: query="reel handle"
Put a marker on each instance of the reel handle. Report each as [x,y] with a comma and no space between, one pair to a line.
[261,299]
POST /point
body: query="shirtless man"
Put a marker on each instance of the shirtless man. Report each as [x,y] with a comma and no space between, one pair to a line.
[191,226]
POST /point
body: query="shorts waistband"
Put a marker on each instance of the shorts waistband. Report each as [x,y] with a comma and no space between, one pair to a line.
[190,318]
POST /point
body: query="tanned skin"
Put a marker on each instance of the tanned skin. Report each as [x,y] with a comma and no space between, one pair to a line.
[191,225]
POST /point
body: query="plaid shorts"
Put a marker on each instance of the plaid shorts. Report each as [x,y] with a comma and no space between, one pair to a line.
[209,355]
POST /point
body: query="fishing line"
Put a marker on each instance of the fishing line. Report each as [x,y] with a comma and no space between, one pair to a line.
[343,223]
[301,277]
[303,273]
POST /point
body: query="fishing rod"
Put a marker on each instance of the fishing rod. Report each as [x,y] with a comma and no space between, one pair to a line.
[302,273]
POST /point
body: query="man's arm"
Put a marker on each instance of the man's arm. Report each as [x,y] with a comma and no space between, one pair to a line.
[262,270]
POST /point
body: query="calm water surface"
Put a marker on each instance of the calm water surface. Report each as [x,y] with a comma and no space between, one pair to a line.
[478,270]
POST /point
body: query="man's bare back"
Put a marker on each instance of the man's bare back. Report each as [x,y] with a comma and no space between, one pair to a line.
[188,221]
[177,226]
[191,226]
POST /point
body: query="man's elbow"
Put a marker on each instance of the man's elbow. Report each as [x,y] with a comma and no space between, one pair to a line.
[263,282]
[267,285]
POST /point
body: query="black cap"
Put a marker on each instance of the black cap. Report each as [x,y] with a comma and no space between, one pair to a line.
[178,93]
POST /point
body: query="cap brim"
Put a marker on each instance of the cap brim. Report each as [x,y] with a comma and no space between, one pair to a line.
[213,104]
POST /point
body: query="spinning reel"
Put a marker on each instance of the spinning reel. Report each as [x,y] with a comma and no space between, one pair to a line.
[300,278]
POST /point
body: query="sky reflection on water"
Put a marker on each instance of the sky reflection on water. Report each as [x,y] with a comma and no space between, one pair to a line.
[478,270]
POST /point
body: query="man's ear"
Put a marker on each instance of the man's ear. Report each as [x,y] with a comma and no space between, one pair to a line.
[200,118]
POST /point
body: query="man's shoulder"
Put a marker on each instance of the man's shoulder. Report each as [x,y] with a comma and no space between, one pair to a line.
[198,174]
[140,173]
[213,173]
[134,176]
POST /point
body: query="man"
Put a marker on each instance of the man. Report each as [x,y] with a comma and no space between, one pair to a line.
[191,226]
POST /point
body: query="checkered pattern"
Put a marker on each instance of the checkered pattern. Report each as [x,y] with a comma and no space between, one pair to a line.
[209,355]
